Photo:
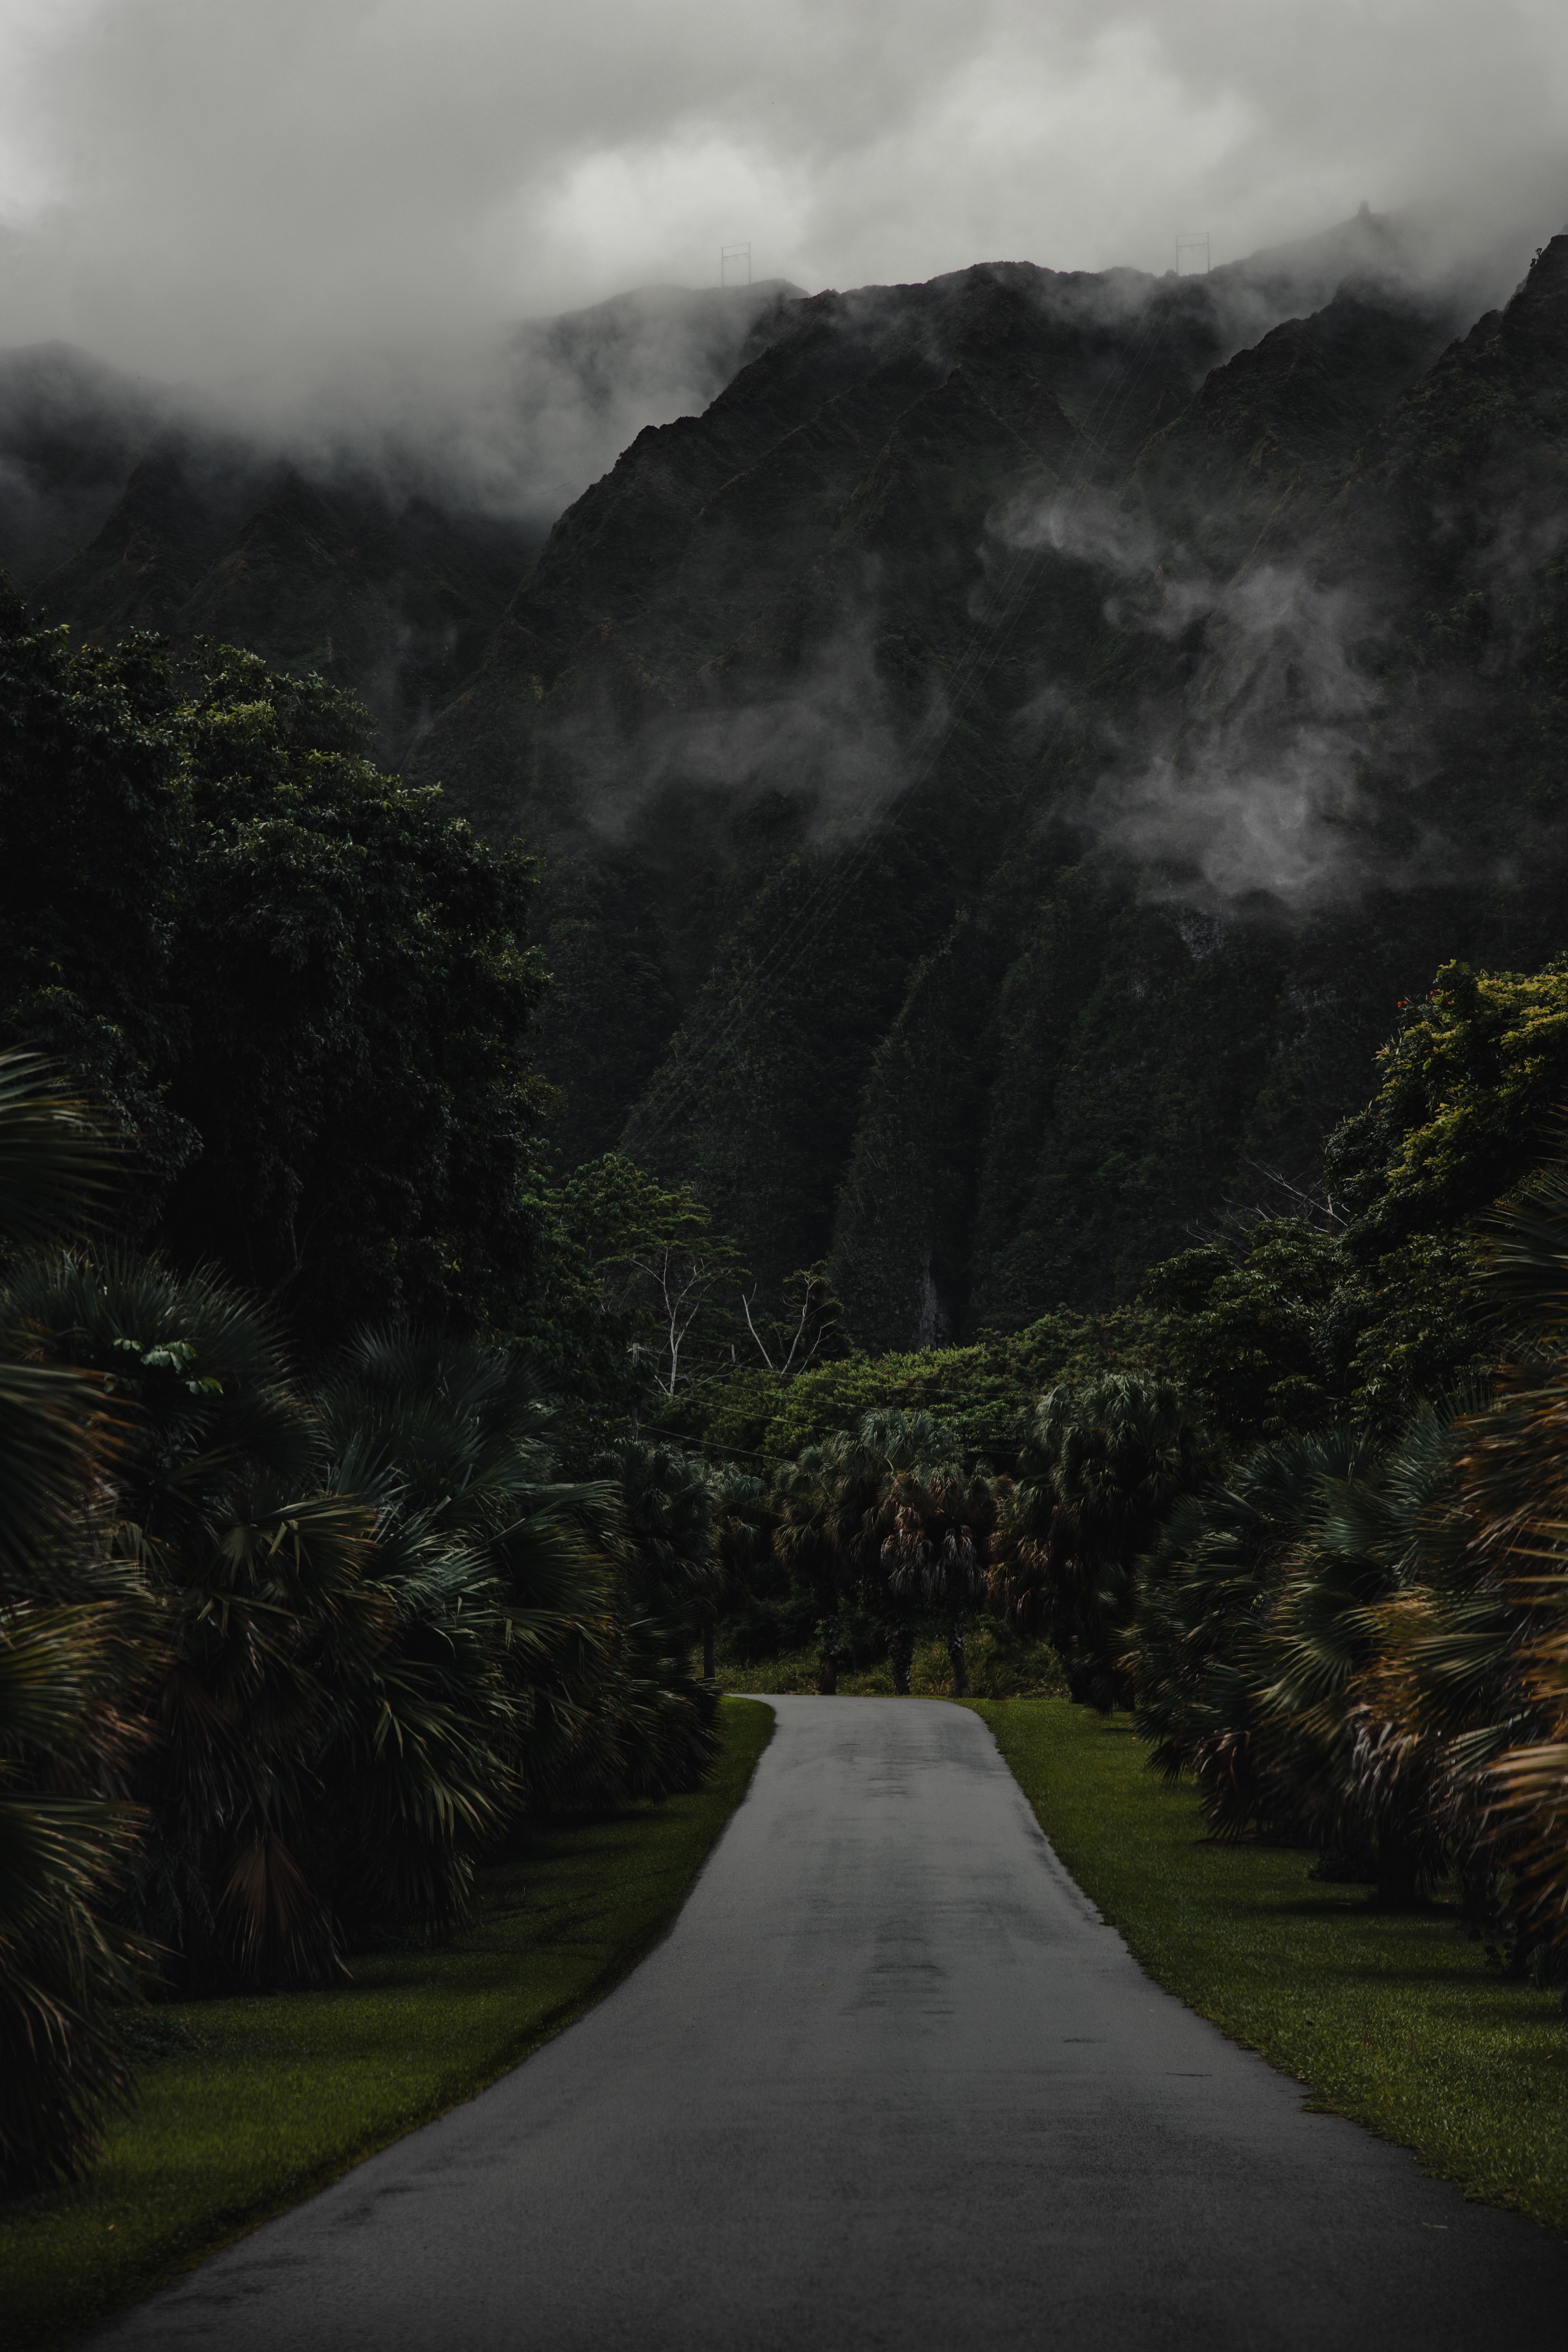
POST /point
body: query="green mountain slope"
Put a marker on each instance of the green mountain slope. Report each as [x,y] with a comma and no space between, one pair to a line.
[999,761]
[957,757]
[372,527]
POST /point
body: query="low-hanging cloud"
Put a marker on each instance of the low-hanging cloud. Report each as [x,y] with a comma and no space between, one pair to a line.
[1263,796]
[1253,783]
[830,738]
[216,188]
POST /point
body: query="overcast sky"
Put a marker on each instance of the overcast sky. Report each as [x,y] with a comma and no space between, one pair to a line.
[195,186]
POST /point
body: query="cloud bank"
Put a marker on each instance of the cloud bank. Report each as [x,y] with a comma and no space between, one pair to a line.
[212,187]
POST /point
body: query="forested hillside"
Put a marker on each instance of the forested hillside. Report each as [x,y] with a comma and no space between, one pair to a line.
[1002,765]
[371,529]
[998,767]
[1027,833]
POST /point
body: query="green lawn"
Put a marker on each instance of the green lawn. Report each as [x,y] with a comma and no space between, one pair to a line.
[250,2104]
[1393,2019]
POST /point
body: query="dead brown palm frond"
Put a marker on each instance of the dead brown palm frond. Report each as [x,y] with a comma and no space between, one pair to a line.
[1513,1475]
[278,1922]
[59,1155]
[66,1740]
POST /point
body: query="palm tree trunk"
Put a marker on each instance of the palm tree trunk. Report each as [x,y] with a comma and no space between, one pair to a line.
[955,1653]
[1398,1872]
[901,1656]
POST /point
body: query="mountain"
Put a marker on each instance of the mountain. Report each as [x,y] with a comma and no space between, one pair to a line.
[370,526]
[948,751]
[999,758]
[71,432]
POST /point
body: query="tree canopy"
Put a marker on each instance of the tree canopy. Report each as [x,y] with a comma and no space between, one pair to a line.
[303,985]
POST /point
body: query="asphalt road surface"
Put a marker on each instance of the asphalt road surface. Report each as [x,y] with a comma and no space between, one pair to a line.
[889,2082]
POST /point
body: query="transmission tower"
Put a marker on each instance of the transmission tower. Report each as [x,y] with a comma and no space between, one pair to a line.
[1192,255]
[731,256]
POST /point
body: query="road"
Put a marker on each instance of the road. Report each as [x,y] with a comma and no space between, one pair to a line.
[889,2082]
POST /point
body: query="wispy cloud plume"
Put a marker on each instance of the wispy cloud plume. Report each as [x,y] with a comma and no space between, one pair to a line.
[208,189]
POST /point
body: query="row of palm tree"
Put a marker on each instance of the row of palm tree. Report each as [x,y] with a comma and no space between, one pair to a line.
[897,1519]
[1358,1642]
[1364,1643]
[280,1663]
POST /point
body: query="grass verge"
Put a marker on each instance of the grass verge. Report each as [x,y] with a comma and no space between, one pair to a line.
[246,2106]
[1391,2018]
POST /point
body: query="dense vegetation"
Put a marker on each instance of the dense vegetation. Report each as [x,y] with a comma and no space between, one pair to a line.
[283,1654]
[302,1611]
[1000,768]
[396,1447]
[246,2103]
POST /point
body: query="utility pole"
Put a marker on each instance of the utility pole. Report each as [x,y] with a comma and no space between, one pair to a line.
[731,256]
[1194,250]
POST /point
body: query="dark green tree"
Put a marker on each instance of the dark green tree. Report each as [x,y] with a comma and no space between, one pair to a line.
[302,983]
[1106,1466]
[71,1631]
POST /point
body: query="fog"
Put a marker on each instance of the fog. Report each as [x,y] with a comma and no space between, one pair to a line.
[348,228]
[222,192]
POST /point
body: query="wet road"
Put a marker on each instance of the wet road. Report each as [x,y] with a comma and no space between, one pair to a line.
[889,2082]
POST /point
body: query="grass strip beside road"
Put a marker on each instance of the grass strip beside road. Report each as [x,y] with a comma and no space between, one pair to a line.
[1394,2019]
[251,2104]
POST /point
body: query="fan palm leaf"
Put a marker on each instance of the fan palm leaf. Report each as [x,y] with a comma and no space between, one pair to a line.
[65,1734]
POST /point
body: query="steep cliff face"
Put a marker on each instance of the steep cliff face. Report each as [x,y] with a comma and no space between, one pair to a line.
[372,527]
[71,431]
[984,739]
[999,761]
[1362,774]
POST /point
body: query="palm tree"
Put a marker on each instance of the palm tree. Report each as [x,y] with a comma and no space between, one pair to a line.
[1309,1642]
[938,1522]
[69,1630]
[257,1572]
[1353,1760]
[1106,1464]
[826,1506]
[496,1584]
[1204,1593]
[669,1581]
[802,1506]
[1513,1475]
[743,1535]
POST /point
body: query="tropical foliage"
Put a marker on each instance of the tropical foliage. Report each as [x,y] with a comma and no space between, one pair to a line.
[1105,1466]
[280,1659]
[69,1627]
[300,982]
[366,1486]
[1359,1641]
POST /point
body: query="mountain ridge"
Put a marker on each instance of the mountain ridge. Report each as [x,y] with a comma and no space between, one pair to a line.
[999,763]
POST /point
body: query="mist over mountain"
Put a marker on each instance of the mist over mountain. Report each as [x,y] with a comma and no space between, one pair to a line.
[369,523]
[1000,747]
[954,734]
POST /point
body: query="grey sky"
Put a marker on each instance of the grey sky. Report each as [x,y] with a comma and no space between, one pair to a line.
[205,186]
